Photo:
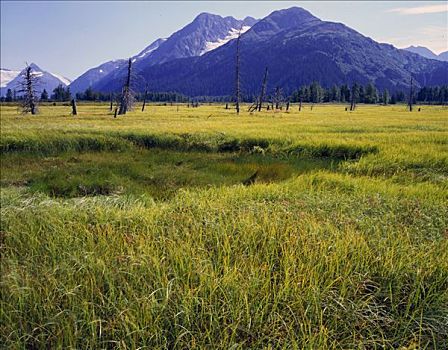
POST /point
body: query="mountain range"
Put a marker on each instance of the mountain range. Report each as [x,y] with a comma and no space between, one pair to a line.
[297,47]
[206,33]
[46,80]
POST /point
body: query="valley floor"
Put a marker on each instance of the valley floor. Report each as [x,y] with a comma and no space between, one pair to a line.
[196,228]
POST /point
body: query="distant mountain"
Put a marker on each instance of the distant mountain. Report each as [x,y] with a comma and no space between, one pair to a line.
[46,80]
[443,56]
[427,53]
[93,75]
[206,33]
[422,51]
[298,48]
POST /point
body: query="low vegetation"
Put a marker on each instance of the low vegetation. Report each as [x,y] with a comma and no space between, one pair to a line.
[144,231]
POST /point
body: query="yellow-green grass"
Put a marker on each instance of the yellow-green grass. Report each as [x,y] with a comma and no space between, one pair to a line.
[341,242]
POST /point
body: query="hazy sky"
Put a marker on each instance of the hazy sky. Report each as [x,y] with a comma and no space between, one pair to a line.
[69,37]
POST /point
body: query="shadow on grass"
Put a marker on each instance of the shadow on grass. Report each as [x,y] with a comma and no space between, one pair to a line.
[159,173]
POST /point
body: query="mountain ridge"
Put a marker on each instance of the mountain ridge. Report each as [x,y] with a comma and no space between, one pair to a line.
[298,48]
[204,34]
[46,80]
[427,53]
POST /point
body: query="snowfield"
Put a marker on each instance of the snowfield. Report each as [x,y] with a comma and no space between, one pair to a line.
[233,34]
[7,75]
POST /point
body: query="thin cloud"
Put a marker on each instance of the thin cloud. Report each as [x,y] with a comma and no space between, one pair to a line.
[420,10]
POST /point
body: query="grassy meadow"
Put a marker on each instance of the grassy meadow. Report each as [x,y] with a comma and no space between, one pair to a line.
[139,232]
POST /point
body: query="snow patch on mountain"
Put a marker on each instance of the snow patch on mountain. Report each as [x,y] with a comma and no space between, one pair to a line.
[61,78]
[232,34]
[7,75]
[154,46]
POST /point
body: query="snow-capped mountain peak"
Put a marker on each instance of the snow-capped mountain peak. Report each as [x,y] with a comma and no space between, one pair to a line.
[48,81]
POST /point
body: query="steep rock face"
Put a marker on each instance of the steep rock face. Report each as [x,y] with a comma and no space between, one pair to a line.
[46,80]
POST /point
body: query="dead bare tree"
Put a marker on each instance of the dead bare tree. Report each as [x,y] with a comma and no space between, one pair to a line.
[144,98]
[411,95]
[28,86]
[127,97]
[354,96]
[111,102]
[278,97]
[74,107]
[263,89]
[237,74]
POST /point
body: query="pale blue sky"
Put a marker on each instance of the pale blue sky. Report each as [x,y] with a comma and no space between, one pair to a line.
[69,37]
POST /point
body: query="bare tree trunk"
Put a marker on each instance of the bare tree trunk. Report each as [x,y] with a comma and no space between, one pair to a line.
[237,75]
[74,107]
[411,96]
[300,104]
[144,98]
[277,97]
[29,90]
[353,97]
[111,102]
[263,89]
[126,98]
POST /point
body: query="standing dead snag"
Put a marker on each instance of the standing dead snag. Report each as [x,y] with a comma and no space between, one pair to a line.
[28,86]
[111,102]
[278,98]
[126,95]
[74,108]
[258,104]
[263,89]
[237,75]
[354,96]
[144,98]
[411,96]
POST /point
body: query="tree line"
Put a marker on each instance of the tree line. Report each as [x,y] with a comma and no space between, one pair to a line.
[312,93]
[63,94]
[369,94]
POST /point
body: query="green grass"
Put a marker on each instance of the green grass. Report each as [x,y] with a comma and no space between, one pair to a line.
[137,232]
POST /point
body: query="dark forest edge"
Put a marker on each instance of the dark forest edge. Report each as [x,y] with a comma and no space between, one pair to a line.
[313,93]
